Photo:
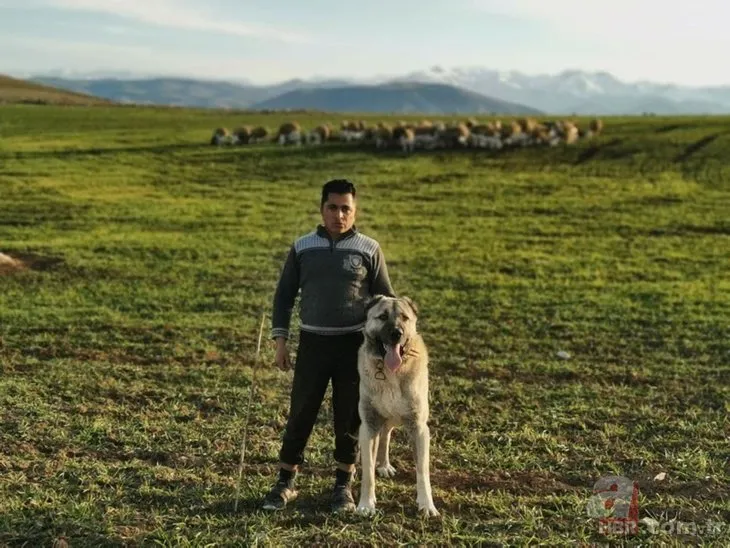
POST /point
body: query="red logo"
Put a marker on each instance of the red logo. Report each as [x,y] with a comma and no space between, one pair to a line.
[615,502]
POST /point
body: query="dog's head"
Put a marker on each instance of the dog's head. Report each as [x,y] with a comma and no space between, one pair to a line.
[390,325]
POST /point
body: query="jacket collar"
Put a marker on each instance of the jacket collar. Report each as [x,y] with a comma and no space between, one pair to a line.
[322,231]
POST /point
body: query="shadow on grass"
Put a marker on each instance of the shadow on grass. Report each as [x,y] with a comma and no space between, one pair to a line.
[30,526]
[536,157]
[313,505]
[98,151]
[695,147]
[592,151]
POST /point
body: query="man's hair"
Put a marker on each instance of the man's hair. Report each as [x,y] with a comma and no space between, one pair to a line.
[338,186]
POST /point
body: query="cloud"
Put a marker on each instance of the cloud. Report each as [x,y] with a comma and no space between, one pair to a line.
[117,29]
[650,24]
[43,54]
[177,14]
[82,50]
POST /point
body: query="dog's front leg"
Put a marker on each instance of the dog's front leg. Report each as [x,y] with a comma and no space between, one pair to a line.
[423,480]
[384,467]
[368,448]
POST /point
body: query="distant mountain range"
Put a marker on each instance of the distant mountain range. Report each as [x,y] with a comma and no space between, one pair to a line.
[581,92]
[459,90]
[396,97]
[325,95]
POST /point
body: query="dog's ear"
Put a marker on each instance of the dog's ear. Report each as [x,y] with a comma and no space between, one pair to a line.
[372,301]
[410,303]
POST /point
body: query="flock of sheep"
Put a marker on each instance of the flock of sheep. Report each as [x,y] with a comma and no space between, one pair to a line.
[422,135]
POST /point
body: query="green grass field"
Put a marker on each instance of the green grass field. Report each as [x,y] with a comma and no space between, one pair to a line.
[128,346]
[15,91]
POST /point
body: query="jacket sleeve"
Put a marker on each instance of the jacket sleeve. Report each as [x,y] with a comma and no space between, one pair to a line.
[284,297]
[379,279]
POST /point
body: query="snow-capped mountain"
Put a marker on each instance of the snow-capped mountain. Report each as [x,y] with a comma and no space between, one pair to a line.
[580,92]
[568,92]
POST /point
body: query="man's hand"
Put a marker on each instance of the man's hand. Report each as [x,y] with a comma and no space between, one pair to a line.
[282,355]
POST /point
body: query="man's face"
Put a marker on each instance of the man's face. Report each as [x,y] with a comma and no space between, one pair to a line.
[338,213]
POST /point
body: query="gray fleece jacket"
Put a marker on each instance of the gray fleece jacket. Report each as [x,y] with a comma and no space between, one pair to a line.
[335,278]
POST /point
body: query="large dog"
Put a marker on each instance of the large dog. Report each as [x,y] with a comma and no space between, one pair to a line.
[393,367]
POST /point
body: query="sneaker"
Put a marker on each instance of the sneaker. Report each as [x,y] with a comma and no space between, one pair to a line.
[342,499]
[280,494]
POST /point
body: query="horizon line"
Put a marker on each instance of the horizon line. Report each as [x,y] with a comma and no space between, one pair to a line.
[373,79]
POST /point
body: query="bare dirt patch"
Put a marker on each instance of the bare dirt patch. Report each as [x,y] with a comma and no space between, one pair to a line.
[520,483]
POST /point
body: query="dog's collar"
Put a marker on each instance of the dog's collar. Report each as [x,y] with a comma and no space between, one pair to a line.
[380,367]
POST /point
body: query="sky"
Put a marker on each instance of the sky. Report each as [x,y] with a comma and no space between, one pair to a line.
[672,41]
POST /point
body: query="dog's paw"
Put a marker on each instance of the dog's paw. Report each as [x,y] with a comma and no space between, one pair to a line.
[428,510]
[386,471]
[366,508]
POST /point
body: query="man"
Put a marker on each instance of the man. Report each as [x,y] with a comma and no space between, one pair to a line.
[337,269]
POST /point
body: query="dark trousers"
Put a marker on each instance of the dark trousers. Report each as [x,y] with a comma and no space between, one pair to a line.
[319,359]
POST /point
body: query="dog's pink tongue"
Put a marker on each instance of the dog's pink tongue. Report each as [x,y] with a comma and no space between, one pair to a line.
[392,357]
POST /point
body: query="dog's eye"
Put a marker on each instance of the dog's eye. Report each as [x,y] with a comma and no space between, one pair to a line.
[404,317]
[383,316]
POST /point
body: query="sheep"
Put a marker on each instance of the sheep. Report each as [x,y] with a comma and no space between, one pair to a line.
[289,132]
[371,134]
[353,131]
[405,138]
[260,133]
[409,136]
[320,134]
[9,264]
[424,136]
[527,124]
[540,135]
[221,136]
[494,128]
[480,129]
[512,134]
[383,136]
[511,129]
[595,127]
[567,131]
[242,135]
[454,136]
[570,132]
[485,136]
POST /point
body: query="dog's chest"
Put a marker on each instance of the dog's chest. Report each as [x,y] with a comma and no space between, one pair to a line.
[390,400]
